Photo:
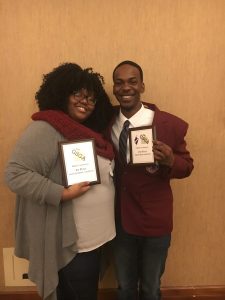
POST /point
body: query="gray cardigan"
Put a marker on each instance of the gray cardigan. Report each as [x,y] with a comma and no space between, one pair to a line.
[45,232]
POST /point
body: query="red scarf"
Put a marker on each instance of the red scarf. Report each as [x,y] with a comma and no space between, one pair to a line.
[73,130]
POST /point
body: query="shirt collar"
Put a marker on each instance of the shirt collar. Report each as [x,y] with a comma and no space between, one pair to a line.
[134,120]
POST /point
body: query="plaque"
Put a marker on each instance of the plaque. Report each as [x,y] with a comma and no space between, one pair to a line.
[79,162]
[141,143]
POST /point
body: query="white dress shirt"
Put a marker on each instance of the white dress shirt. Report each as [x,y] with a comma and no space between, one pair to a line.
[143,117]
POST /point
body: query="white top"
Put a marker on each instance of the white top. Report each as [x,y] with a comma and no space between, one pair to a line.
[94,211]
[144,117]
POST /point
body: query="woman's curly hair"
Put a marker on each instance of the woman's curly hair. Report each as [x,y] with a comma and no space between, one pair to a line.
[62,81]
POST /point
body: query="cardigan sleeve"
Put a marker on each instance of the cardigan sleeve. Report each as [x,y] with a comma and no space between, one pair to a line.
[32,171]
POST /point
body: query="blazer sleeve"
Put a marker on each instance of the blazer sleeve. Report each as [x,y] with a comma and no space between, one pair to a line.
[183,162]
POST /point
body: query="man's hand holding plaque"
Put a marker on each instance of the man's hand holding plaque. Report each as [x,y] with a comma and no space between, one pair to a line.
[163,153]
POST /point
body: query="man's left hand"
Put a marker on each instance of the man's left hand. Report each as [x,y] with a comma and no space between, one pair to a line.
[163,153]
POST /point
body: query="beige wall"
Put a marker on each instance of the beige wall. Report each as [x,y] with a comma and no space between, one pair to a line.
[181,46]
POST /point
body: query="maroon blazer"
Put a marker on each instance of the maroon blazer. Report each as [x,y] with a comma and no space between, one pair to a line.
[144,200]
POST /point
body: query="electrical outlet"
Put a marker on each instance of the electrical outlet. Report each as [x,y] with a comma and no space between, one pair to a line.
[15,269]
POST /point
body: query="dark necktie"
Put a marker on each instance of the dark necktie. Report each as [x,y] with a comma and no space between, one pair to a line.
[123,142]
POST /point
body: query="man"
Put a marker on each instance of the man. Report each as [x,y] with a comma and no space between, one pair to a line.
[143,193]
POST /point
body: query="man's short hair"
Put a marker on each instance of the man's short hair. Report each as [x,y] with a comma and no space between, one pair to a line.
[132,63]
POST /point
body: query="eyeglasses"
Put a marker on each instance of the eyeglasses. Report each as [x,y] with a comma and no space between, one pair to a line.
[78,95]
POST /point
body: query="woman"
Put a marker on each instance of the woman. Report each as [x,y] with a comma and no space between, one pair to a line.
[61,230]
